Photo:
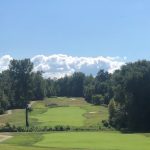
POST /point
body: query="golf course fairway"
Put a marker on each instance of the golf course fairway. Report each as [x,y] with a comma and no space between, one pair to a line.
[96,141]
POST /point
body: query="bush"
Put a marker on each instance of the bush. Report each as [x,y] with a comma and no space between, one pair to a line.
[30,109]
[112,108]
[98,99]
[1,111]
[105,123]
[11,128]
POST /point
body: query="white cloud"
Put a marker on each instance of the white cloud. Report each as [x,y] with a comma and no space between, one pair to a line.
[60,65]
[4,62]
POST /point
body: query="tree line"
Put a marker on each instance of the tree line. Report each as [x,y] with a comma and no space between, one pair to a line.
[126,92]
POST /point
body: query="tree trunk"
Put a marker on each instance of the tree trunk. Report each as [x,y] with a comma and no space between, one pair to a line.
[27,121]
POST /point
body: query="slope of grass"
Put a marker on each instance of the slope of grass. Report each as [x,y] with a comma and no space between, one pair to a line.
[22,141]
[16,118]
[96,141]
[12,147]
[77,140]
[94,115]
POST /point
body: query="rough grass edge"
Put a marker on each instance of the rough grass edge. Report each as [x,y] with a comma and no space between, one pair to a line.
[13,128]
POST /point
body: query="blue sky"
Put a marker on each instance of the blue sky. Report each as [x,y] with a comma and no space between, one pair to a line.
[75,27]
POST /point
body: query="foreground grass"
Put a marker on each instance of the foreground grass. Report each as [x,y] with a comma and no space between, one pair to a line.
[78,140]
[94,140]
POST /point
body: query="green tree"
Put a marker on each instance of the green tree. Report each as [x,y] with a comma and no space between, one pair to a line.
[51,89]
[88,93]
[77,84]
[38,86]
[131,92]
[98,99]
[21,81]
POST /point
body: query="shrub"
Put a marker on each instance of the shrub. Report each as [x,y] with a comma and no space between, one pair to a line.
[112,108]
[98,99]
[105,123]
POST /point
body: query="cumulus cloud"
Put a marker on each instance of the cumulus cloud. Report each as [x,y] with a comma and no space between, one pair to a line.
[57,66]
[60,65]
[4,62]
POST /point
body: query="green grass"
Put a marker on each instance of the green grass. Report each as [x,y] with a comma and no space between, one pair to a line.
[96,140]
[72,116]
[22,141]
[78,140]
[73,112]
[10,147]
[94,119]
[67,111]
[16,118]
[59,111]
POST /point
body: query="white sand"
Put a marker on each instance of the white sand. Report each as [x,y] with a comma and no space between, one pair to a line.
[94,112]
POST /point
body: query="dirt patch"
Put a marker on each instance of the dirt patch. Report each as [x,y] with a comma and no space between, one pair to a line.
[4,137]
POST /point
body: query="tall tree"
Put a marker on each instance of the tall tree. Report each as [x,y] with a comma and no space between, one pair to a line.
[21,78]
[77,84]
[38,85]
[132,95]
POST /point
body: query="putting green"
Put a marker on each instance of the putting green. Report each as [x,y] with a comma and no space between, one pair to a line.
[72,116]
[96,140]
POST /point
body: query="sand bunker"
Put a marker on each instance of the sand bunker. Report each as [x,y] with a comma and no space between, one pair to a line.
[93,112]
[73,99]
[8,112]
[4,137]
